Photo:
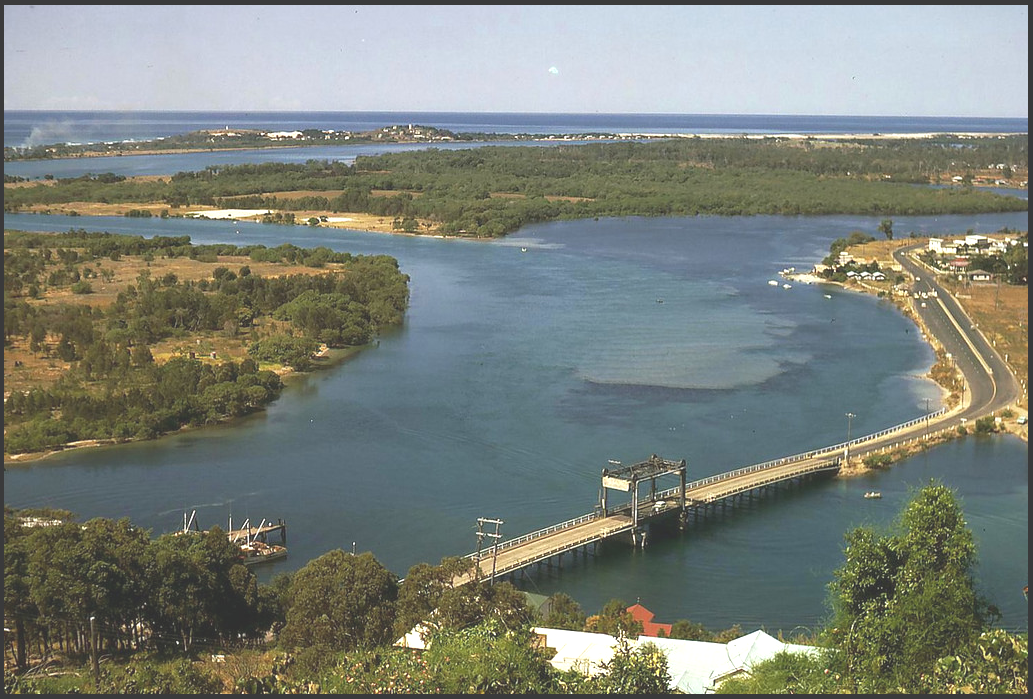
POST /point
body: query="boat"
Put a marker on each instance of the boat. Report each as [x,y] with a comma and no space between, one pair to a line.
[253,549]
[828,296]
[873,494]
[787,286]
[523,249]
[772,282]
[260,552]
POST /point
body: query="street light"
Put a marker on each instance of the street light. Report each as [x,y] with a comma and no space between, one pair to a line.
[93,651]
[846,455]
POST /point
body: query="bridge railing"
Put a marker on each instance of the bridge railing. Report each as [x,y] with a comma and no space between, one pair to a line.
[509,543]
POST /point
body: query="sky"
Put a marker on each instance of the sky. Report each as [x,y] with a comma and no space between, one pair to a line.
[865,60]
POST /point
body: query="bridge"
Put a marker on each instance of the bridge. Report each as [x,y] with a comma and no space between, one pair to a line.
[990,382]
[631,521]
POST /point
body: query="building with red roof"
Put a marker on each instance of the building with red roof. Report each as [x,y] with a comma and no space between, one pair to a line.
[649,627]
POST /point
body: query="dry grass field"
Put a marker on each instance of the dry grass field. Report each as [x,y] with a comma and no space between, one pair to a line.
[24,369]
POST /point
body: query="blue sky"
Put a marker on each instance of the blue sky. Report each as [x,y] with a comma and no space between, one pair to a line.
[911,60]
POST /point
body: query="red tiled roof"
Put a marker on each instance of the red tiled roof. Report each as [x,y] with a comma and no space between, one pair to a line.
[649,627]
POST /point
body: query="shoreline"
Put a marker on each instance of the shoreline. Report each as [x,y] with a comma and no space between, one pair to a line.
[339,356]
[857,468]
[542,138]
[333,357]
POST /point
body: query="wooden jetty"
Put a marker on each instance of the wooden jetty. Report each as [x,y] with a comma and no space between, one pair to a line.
[247,533]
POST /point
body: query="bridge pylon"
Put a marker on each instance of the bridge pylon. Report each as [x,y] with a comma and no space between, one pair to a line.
[628,478]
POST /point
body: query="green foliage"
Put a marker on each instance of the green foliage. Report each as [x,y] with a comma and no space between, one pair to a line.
[986,425]
[904,599]
[662,177]
[143,676]
[343,307]
[641,669]
[786,673]
[690,631]
[614,620]
[995,663]
[877,461]
[341,601]
[295,352]
[488,658]
[564,613]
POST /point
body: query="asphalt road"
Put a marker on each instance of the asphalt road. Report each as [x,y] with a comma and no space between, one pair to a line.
[990,385]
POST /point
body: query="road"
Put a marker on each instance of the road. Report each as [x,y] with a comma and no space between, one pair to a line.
[990,385]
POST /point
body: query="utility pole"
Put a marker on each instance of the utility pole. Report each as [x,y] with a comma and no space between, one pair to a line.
[481,521]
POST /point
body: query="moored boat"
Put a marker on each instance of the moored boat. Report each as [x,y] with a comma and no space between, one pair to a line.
[873,494]
[260,552]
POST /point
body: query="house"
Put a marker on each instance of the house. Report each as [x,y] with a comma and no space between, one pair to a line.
[695,667]
[582,651]
[645,617]
[979,275]
[698,667]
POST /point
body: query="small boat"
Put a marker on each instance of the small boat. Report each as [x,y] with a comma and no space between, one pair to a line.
[260,552]
[252,548]
[873,494]
[772,282]
[523,249]
[787,286]
[828,296]
[659,300]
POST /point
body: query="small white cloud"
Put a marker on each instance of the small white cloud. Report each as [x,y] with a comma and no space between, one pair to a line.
[554,70]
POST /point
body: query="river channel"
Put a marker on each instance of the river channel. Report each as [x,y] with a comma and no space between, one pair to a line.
[526,364]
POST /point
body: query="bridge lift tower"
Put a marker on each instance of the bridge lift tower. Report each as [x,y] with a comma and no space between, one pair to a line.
[627,479]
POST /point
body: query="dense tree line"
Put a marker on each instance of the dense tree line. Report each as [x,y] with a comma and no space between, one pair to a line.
[905,617]
[490,191]
[115,390]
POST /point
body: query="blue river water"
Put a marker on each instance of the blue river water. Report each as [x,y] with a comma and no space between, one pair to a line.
[526,364]
[518,375]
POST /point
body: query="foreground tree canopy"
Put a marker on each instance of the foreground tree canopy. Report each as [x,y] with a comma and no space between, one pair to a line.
[905,617]
[490,191]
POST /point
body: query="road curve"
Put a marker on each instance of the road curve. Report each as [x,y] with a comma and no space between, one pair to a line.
[990,384]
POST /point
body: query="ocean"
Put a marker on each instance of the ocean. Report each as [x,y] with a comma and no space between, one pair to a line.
[31,128]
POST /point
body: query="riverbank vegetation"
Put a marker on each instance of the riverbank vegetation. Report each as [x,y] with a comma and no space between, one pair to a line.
[102,607]
[116,338]
[489,191]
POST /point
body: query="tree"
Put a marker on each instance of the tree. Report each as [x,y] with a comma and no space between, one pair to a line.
[198,585]
[615,620]
[907,598]
[470,604]
[886,228]
[641,669]
[564,613]
[490,657]
[690,631]
[18,604]
[341,601]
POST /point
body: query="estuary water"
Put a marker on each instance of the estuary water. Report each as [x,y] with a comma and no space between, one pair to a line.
[526,364]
